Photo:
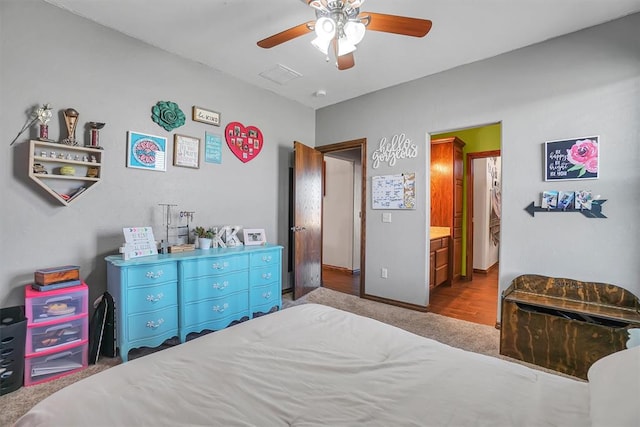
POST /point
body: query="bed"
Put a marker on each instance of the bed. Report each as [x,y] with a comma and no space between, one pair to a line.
[315,365]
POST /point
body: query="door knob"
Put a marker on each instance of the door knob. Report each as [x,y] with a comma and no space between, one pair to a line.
[297,228]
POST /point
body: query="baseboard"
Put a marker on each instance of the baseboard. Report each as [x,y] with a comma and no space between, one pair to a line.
[487,271]
[340,269]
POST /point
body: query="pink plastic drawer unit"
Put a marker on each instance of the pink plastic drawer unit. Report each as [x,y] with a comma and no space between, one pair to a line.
[50,336]
[56,305]
[49,366]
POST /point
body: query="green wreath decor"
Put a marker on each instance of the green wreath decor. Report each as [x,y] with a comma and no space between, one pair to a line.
[168,115]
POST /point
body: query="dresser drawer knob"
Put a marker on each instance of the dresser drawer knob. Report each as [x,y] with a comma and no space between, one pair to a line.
[220,266]
[266,276]
[266,295]
[219,286]
[155,298]
[266,258]
[153,325]
[152,275]
[220,308]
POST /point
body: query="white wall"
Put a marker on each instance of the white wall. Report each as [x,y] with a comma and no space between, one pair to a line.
[50,55]
[485,252]
[337,220]
[586,83]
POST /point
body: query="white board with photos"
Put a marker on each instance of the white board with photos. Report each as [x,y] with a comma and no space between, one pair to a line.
[394,191]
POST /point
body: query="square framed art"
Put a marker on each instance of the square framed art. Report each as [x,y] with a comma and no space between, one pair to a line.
[186,151]
[571,159]
[146,151]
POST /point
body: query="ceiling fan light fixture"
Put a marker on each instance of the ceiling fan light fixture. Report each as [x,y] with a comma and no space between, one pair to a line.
[322,44]
[325,28]
[345,46]
[354,31]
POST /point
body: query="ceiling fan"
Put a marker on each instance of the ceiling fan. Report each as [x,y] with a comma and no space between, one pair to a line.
[341,26]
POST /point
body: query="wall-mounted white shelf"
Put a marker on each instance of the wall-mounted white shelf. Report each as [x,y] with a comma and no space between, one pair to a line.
[46,159]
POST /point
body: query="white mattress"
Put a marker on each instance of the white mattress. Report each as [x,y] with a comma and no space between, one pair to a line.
[315,365]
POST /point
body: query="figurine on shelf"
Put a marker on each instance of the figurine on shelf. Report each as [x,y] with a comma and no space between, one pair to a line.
[71,119]
[95,134]
[44,116]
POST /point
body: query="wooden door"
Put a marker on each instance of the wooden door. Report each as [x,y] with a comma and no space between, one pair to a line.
[307,219]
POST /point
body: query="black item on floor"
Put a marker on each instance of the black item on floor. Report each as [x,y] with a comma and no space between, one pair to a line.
[13,332]
[102,335]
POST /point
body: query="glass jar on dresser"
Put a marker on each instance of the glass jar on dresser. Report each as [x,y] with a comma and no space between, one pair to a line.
[163,296]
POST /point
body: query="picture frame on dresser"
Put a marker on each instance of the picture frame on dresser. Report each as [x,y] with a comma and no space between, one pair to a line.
[254,236]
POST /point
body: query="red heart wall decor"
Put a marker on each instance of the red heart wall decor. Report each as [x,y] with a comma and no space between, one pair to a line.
[244,142]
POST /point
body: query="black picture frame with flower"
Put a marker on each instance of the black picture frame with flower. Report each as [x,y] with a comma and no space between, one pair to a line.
[572,159]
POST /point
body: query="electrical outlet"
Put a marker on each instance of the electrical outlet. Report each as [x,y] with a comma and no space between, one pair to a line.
[384,273]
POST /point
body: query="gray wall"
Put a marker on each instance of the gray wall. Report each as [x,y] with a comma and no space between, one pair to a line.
[50,55]
[337,214]
[585,83]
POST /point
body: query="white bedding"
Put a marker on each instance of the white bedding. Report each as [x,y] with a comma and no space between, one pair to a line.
[315,365]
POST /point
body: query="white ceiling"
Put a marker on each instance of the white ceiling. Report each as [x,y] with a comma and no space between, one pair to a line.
[223,35]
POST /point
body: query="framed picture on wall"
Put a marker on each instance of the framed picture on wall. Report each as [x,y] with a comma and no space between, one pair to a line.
[146,151]
[186,151]
[568,159]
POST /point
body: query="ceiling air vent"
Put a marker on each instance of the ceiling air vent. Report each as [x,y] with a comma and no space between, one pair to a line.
[280,74]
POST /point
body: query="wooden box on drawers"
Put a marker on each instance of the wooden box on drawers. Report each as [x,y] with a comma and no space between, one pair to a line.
[57,333]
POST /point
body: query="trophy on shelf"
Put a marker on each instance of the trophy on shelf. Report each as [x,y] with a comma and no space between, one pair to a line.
[71,119]
[44,115]
[95,134]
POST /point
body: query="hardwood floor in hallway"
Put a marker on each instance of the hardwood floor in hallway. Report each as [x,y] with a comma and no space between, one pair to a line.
[341,281]
[475,301]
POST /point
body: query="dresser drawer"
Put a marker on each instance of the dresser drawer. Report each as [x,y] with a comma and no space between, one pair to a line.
[152,274]
[56,305]
[38,369]
[214,286]
[152,297]
[264,258]
[266,275]
[439,243]
[46,338]
[215,308]
[211,266]
[265,294]
[152,323]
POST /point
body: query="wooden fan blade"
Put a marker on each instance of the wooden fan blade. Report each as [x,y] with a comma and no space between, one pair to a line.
[286,35]
[345,61]
[402,25]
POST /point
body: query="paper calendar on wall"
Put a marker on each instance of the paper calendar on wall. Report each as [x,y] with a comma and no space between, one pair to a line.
[394,191]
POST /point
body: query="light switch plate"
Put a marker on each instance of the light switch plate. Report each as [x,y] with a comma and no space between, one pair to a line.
[386,217]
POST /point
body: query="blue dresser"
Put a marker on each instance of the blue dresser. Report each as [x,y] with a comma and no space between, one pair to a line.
[163,296]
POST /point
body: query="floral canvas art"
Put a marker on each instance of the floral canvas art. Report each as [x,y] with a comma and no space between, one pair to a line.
[572,159]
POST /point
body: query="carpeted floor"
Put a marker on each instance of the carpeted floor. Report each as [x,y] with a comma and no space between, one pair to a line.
[458,333]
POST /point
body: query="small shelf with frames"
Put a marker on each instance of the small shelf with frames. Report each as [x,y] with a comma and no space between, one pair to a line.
[83,168]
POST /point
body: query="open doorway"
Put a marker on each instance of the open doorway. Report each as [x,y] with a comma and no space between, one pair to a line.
[472,294]
[344,177]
